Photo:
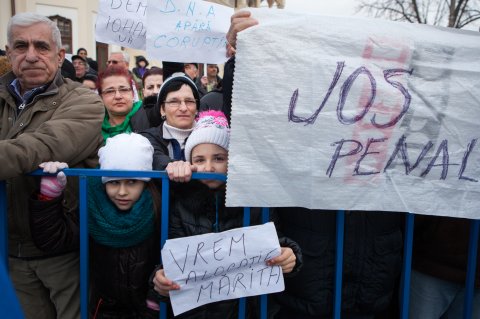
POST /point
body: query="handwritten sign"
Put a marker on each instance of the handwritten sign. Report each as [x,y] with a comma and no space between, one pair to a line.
[187,30]
[356,114]
[122,22]
[221,266]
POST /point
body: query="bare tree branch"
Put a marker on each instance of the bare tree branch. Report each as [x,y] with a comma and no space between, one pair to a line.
[452,13]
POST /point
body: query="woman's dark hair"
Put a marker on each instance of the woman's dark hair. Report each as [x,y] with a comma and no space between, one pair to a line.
[171,88]
[152,71]
[156,198]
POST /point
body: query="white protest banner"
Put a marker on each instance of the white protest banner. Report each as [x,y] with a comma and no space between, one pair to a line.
[188,30]
[221,266]
[122,22]
[355,114]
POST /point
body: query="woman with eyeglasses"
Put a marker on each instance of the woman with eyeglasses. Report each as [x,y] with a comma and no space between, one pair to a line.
[115,88]
[178,102]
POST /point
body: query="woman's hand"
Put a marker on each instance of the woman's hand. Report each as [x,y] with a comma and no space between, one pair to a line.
[180,171]
[162,284]
[286,260]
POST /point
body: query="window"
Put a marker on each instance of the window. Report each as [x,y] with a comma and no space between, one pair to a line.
[65,27]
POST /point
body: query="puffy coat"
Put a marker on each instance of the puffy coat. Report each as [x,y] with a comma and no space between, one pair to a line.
[62,124]
[160,147]
[194,212]
[440,248]
[119,273]
[119,277]
[372,261]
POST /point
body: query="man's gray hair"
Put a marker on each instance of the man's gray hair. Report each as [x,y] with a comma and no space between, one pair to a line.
[27,19]
[125,55]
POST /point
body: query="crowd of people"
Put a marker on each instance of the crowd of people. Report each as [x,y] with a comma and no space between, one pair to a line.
[56,116]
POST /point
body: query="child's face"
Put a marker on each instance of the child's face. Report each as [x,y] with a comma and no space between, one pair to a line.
[124,193]
[210,158]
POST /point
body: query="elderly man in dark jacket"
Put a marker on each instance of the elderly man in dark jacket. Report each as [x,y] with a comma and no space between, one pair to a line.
[43,117]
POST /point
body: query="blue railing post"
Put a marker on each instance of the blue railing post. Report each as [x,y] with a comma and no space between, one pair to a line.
[471,268]
[3,225]
[340,232]
[407,266]
[264,298]
[242,304]
[164,229]
[83,247]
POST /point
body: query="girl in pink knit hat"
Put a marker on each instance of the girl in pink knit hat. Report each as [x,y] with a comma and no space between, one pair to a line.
[198,207]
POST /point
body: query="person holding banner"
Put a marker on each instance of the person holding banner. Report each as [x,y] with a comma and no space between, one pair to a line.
[198,207]
[372,251]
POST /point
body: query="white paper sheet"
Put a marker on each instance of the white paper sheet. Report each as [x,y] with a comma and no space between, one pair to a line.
[188,30]
[308,88]
[122,23]
[221,266]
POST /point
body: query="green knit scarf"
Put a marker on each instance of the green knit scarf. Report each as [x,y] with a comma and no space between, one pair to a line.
[112,227]
[110,131]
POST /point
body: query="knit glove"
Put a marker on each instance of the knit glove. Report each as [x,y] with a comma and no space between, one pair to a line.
[53,186]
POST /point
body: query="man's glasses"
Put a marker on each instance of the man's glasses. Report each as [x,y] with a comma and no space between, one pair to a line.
[176,103]
[112,62]
[112,92]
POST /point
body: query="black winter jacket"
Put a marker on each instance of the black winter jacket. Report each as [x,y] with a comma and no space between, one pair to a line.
[440,248]
[371,267]
[194,213]
[119,278]
[53,230]
[160,147]
[147,116]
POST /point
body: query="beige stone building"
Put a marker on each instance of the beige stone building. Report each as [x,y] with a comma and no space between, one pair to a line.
[76,21]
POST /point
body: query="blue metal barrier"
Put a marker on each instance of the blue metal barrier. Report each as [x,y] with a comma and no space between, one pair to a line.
[339,236]
[83,173]
[3,225]
[407,266]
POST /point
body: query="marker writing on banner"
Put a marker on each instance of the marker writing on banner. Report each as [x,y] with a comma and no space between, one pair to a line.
[198,21]
[344,93]
[224,266]
[229,283]
[127,30]
[347,148]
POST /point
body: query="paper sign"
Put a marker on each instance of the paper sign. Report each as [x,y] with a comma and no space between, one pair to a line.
[187,30]
[355,114]
[122,22]
[221,266]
